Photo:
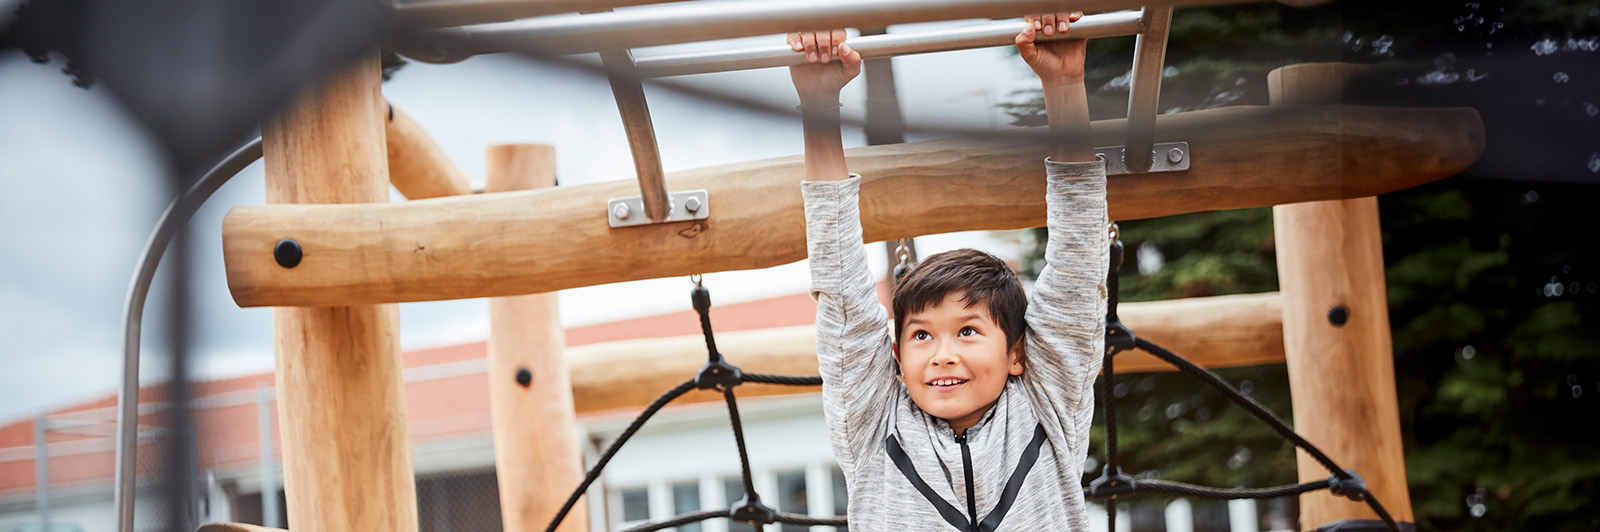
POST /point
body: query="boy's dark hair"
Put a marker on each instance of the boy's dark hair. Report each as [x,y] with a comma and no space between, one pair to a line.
[983,278]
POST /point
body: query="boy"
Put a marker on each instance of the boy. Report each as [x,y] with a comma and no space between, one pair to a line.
[987,426]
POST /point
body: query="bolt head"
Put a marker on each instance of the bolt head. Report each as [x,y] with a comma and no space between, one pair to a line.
[1338,315]
[524,377]
[1175,156]
[621,211]
[287,253]
[692,205]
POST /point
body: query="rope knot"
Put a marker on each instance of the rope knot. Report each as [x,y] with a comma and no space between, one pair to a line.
[1353,488]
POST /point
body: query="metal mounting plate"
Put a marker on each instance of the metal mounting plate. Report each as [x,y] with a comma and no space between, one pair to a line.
[1165,157]
[681,206]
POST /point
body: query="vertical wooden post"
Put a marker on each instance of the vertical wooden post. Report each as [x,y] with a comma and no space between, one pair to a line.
[346,450]
[535,438]
[1336,328]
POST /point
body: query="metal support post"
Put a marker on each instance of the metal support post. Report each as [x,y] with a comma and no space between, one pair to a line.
[1144,91]
[641,133]
[41,468]
[269,474]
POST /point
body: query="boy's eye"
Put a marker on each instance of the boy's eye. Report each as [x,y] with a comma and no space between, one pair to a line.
[968,331]
[920,335]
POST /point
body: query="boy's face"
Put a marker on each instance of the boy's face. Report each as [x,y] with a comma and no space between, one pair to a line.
[954,360]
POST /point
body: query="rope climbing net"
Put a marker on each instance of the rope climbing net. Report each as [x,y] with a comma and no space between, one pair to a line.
[719,375]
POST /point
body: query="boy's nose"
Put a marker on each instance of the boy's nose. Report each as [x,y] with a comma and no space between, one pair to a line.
[944,356]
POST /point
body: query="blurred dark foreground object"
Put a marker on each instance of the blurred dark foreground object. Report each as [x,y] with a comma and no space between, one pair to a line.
[198,74]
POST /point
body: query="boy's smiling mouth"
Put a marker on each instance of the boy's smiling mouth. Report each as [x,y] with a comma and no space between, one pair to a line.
[946,383]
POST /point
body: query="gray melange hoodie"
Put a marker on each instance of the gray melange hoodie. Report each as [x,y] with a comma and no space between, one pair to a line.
[905,469]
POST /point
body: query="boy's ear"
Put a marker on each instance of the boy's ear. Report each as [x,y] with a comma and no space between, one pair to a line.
[1017,356]
[896,347]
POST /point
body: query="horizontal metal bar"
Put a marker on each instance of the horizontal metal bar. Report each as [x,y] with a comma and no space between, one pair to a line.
[437,13]
[982,35]
[705,21]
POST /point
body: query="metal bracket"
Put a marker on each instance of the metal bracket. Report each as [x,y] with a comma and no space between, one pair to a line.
[1165,157]
[681,206]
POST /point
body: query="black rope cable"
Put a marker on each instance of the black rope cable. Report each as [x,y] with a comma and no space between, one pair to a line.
[693,517]
[1110,405]
[1208,492]
[797,519]
[785,380]
[738,439]
[721,376]
[1277,423]
[1250,404]
[594,472]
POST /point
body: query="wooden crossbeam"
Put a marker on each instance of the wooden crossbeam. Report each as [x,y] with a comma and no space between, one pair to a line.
[515,243]
[418,167]
[1221,331]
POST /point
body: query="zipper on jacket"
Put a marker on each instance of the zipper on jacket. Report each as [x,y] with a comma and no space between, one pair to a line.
[966,466]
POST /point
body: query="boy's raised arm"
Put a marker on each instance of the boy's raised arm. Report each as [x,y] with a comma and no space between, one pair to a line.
[1066,313]
[853,342]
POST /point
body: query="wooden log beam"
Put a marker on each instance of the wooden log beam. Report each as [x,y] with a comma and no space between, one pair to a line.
[1222,331]
[341,403]
[1336,329]
[536,452]
[418,167]
[539,241]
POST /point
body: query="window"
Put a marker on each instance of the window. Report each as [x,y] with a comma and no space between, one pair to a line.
[733,491]
[635,504]
[686,499]
[792,497]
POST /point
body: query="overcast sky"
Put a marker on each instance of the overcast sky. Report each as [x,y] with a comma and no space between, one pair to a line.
[82,189]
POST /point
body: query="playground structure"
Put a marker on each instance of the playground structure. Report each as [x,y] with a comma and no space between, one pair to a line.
[333,257]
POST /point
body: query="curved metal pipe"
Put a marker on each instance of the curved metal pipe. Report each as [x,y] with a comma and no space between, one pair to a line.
[175,218]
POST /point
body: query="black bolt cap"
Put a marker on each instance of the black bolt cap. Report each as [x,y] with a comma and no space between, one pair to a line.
[524,377]
[1338,315]
[287,253]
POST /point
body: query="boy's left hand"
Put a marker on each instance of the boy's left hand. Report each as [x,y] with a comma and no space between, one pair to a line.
[1056,60]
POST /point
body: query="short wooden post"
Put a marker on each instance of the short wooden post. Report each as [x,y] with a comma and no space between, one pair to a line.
[1336,328]
[535,439]
[346,451]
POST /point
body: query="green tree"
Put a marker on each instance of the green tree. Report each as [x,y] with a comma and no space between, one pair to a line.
[1491,283]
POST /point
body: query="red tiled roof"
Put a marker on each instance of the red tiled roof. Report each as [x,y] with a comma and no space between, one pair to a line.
[446,407]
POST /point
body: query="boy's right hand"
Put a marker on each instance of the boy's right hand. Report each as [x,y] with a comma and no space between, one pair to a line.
[832,65]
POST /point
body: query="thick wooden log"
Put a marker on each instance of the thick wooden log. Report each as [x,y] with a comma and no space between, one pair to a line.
[536,453]
[1222,331]
[418,167]
[539,241]
[341,403]
[1341,367]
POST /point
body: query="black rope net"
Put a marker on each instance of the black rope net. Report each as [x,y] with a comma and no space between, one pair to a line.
[1114,483]
[717,374]
[721,376]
